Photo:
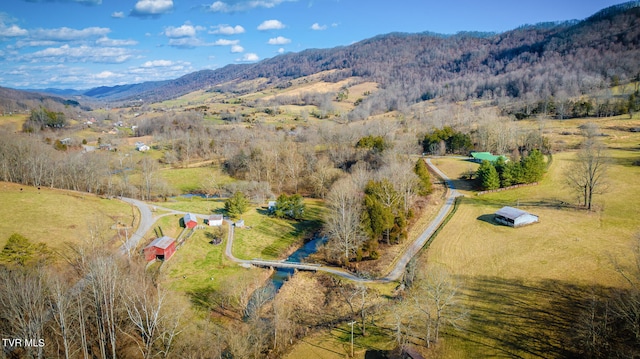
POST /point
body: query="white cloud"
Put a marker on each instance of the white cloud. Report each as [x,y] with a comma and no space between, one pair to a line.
[279,41]
[118,15]
[188,43]
[83,53]
[105,41]
[271,25]
[237,49]
[225,42]
[12,31]
[185,30]
[35,43]
[152,7]
[68,34]
[157,63]
[281,50]
[244,5]
[248,57]
[318,27]
[228,30]
[105,75]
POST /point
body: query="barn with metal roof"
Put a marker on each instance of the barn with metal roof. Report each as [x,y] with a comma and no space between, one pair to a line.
[514,217]
[161,249]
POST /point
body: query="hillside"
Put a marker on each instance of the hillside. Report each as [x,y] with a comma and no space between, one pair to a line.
[532,62]
[14,101]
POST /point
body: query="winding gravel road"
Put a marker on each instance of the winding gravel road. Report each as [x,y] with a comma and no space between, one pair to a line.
[147,220]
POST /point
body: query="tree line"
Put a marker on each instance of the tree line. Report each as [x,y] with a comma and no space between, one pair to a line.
[503,173]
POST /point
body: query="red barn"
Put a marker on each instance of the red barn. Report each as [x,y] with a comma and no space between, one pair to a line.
[161,249]
[190,220]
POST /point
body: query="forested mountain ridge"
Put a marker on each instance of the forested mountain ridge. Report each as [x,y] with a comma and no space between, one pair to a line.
[12,101]
[531,62]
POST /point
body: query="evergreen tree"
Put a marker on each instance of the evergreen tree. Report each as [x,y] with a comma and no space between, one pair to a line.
[511,174]
[425,178]
[19,251]
[533,167]
[488,176]
[236,205]
[290,207]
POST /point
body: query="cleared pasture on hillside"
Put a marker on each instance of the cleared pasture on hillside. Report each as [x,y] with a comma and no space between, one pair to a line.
[13,122]
[189,180]
[56,217]
[523,286]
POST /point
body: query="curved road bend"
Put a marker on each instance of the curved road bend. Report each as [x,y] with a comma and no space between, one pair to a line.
[147,220]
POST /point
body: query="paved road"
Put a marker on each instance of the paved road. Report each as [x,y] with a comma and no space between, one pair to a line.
[147,220]
[414,248]
[399,268]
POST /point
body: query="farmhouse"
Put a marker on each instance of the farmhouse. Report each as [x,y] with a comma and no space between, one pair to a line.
[514,217]
[160,249]
[190,220]
[215,220]
[485,156]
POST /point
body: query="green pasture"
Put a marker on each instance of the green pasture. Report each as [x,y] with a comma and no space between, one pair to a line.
[267,237]
[188,180]
[198,265]
[56,217]
[194,204]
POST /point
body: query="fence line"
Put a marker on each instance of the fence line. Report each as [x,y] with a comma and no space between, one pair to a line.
[506,188]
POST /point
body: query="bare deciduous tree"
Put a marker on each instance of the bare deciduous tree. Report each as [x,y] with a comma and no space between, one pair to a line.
[342,224]
[587,175]
[436,295]
[23,305]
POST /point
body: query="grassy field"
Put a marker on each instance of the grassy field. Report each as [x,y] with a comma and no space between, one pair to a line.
[522,286]
[13,122]
[198,261]
[194,204]
[188,180]
[271,238]
[55,217]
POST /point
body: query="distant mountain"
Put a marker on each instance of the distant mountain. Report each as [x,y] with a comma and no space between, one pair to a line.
[533,61]
[18,100]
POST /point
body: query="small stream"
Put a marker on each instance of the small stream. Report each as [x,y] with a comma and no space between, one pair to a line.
[267,292]
[281,275]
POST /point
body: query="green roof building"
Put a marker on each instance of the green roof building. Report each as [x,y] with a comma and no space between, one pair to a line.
[486,156]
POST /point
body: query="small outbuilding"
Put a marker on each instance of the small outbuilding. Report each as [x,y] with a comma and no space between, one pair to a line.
[190,220]
[240,223]
[514,217]
[215,220]
[160,249]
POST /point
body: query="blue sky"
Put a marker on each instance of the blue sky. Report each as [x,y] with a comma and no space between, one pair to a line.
[88,43]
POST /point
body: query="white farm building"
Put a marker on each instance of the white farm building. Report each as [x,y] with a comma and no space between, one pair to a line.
[514,217]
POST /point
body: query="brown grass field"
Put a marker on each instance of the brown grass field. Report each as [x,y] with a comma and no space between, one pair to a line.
[522,287]
[56,217]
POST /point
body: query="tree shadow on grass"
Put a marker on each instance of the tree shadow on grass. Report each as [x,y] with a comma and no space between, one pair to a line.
[510,318]
[201,298]
[301,229]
